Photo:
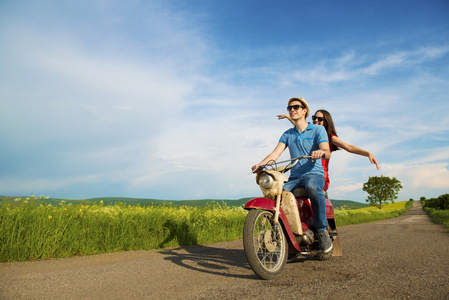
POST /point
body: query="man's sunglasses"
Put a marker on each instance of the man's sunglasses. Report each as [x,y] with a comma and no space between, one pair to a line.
[295,107]
[320,119]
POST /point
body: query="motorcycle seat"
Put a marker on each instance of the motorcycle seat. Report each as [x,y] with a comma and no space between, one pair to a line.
[302,193]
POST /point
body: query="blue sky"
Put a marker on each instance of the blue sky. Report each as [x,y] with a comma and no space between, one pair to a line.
[178,99]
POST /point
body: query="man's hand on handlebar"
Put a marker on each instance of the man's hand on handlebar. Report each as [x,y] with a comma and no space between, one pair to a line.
[317,155]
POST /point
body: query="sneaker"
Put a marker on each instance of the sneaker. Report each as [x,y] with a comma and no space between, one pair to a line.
[325,242]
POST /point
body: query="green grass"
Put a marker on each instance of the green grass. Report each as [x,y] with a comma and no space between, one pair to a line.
[345,216]
[34,228]
[439,216]
[438,209]
[31,230]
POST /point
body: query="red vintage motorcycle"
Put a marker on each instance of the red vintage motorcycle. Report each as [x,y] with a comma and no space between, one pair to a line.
[279,226]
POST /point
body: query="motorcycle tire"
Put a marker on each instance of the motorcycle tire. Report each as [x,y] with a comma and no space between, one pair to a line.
[266,248]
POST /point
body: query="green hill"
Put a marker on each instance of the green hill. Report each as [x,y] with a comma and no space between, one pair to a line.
[148,201]
[204,202]
[348,204]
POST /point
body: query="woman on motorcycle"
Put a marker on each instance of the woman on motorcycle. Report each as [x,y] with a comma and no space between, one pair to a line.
[323,117]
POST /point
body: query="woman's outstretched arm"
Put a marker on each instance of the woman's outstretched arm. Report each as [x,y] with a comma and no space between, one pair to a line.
[354,149]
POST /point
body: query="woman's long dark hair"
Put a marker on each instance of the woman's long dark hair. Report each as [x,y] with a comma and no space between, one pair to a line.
[329,126]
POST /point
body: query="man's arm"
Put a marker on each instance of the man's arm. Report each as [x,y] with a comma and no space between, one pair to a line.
[324,149]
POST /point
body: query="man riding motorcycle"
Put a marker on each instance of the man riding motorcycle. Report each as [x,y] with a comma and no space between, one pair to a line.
[306,139]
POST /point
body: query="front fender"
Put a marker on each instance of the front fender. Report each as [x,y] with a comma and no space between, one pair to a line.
[263,203]
[268,204]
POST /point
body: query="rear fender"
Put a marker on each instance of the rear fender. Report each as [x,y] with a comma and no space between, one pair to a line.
[268,204]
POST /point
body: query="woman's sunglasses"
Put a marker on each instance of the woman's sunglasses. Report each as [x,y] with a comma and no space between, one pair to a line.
[320,119]
[295,107]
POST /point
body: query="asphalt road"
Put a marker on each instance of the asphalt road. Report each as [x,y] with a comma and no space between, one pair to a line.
[401,258]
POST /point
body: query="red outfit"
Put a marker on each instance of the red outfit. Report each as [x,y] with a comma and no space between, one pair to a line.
[325,163]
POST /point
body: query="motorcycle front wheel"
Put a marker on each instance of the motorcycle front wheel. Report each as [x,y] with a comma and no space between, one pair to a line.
[266,248]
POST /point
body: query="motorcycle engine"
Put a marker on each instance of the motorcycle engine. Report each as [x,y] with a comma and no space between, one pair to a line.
[308,237]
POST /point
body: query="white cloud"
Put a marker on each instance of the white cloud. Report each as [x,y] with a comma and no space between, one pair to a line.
[387,62]
[211,157]
[416,176]
[349,188]
[355,67]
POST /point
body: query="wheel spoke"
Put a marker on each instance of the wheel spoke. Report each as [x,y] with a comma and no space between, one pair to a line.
[267,258]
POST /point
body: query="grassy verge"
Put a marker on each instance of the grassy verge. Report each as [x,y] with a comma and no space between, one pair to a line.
[439,216]
[32,229]
[370,214]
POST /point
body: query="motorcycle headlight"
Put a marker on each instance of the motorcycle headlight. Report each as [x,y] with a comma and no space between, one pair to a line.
[266,181]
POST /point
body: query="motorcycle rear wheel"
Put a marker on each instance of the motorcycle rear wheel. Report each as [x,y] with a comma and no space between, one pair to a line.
[266,247]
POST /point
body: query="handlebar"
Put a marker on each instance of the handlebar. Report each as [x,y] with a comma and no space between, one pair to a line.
[291,163]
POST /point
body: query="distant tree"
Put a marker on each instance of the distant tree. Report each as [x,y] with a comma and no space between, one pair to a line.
[381,190]
[422,198]
[442,202]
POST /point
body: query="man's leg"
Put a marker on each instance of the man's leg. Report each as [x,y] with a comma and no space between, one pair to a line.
[291,185]
[314,185]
